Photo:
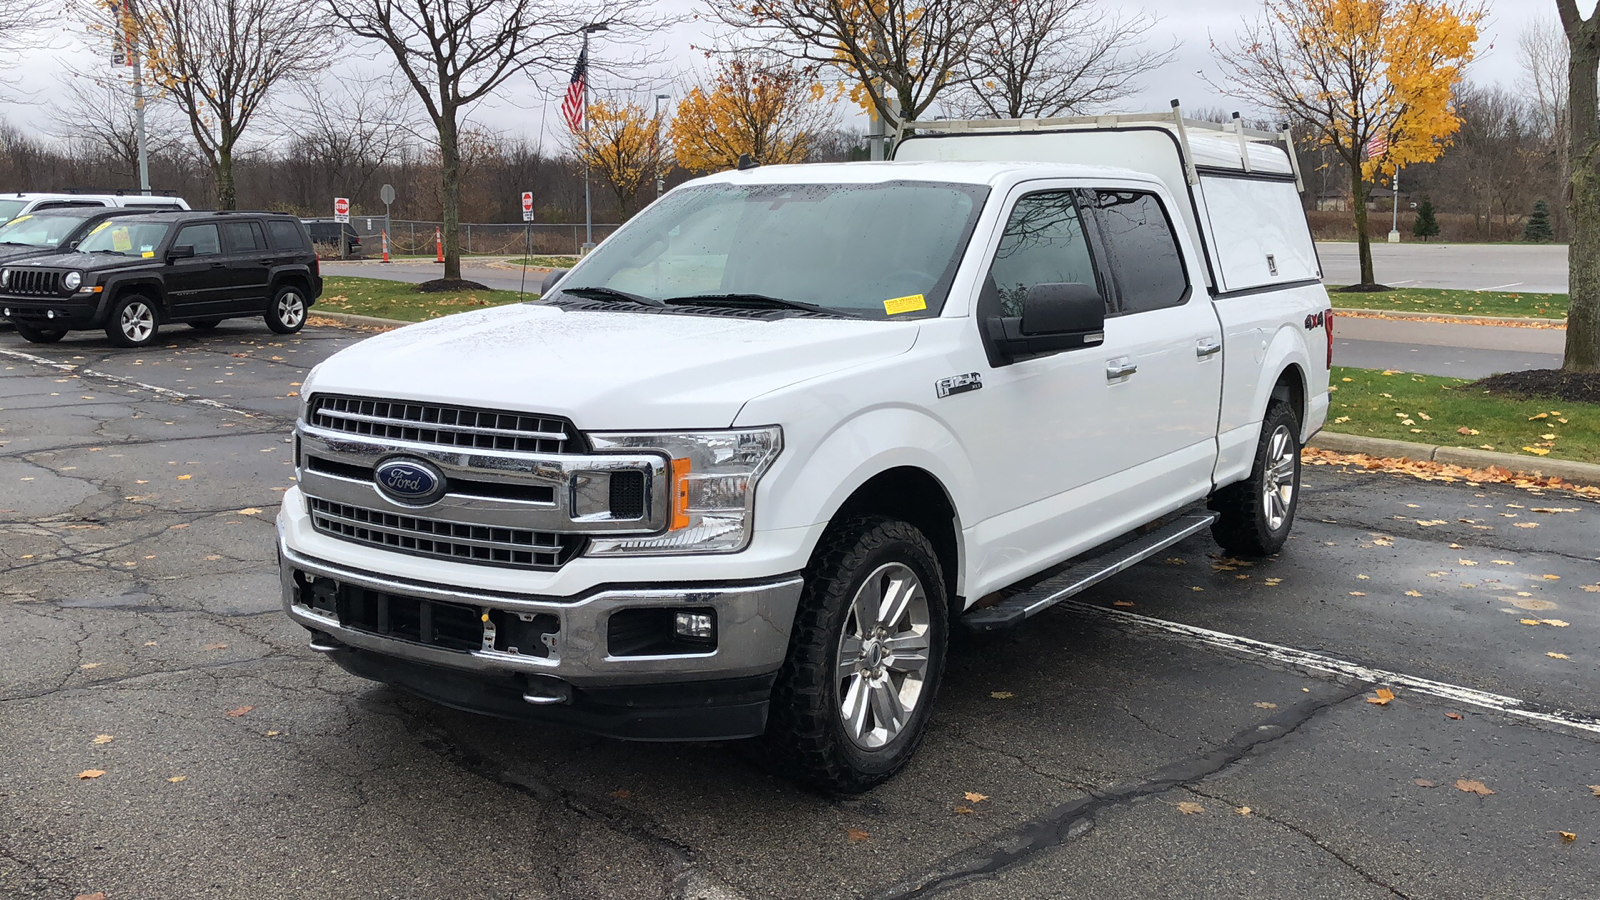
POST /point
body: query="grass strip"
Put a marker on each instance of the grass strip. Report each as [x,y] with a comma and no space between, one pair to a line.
[1437,301]
[399,300]
[1427,409]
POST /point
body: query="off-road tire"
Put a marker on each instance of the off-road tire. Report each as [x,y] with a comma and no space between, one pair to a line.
[40,335]
[126,327]
[1244,526]
[806,738]
[204,324]
[288,311]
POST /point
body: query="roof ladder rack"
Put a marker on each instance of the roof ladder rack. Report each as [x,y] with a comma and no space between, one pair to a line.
[1190,171]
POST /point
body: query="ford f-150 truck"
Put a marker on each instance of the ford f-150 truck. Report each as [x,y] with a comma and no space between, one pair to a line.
[744,468]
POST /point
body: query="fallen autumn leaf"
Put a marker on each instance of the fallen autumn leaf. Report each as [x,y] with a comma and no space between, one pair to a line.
[1423,782]
[1473,787]
[856,834]
[975,797]
[1190,808]
[1384,696]
[236,713]
[91,773]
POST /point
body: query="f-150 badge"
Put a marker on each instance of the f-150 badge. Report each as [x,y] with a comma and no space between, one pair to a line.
[958,384]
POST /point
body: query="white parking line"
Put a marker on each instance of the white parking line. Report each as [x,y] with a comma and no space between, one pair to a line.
[1498,287]
[164,393]
[1317,662]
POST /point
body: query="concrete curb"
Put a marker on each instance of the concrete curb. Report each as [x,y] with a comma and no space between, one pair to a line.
[1574,472]
[350,319]
[1470,320]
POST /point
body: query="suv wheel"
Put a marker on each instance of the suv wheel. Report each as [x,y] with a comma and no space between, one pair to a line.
[40,335]
[205,324]
[133,322]
[1255,515]
[853,699]
[288,312]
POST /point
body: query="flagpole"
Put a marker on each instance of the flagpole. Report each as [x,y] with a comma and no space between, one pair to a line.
[588,216]
[1394,229]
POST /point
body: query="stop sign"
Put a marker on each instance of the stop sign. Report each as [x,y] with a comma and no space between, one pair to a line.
[527,201]
[341,209]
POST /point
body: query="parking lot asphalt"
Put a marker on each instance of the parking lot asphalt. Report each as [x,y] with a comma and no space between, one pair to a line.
[1194,727]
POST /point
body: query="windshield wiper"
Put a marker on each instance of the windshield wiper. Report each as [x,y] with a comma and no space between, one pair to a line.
[605,293]
[756,301]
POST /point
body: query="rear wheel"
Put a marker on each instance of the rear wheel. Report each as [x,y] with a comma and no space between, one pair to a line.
[133,322]
[866,657]
[40,335]
[205,324]
[287,314]
[1255,515]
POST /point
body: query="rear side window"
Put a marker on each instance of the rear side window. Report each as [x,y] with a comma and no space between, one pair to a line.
[243,237]
[285,235]
[1141,250]
[1043,243]
[203,238]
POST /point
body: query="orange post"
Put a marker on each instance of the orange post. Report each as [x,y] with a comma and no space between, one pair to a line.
[386,246]
[438,242]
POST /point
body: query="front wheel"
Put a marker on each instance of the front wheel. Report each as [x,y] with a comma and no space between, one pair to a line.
[133,322]
[1255,515]
[40,335]
[853,699]
[288,312]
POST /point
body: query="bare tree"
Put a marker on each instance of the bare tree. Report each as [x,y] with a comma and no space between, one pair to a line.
[1583,201]
[1542,50]
[898,55]
[19,19]
[220,60]
[457,52]
[100,109]
[1492,166]
[348,131]
[1039,58]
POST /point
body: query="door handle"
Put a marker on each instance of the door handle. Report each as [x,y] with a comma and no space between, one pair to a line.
[1119,369]
[219,265]
[1207,347]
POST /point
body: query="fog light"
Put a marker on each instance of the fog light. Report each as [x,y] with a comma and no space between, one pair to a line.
[50,314]
[694,625]
[6,312]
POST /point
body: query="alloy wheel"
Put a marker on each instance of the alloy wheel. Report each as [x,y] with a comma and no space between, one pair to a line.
[138,321]
[1277,479]
[883,656]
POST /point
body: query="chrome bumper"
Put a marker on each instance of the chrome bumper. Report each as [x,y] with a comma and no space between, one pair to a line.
[753,623]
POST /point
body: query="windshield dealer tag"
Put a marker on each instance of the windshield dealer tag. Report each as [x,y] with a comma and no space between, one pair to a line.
[900,305]
[958,384]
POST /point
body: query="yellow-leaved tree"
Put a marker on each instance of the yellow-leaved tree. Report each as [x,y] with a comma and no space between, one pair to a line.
[772,112]
[622,143]
[1361,74]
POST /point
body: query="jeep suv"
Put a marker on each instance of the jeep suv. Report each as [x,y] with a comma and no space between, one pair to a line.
[133,274]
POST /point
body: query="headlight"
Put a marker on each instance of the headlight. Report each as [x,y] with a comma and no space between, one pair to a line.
[712,492]
[5,277]
[71,280]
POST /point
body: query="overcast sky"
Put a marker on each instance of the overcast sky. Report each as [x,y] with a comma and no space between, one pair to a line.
[523,110]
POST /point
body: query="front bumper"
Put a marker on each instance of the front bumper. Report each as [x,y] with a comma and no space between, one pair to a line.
[571,673]
[75,312]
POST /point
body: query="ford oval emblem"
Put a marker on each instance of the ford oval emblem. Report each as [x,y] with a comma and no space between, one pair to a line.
[410,481]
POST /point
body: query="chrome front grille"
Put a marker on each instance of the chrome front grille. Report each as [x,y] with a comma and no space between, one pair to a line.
[462,542]
[34,281]
[445,426]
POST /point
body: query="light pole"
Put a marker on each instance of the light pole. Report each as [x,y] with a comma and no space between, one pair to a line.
[588,210]
[659,98]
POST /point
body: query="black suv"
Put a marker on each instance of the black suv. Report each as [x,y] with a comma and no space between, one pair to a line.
[325,232]
[54,230]
[132,274]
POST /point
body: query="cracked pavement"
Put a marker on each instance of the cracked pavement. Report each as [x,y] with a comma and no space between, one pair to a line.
[139,600]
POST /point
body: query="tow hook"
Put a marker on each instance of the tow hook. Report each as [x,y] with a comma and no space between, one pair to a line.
[543,691]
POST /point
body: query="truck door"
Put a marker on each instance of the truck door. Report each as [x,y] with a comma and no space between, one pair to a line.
[1163,349]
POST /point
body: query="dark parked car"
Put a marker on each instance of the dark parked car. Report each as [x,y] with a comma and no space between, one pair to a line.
[131,275]
[55,230]
[325,233]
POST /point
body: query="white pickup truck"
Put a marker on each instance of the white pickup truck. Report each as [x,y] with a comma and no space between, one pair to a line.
[745,467]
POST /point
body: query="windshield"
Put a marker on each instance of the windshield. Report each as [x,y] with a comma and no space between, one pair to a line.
[125,238]
[867,250]
[9,208]
[39,230]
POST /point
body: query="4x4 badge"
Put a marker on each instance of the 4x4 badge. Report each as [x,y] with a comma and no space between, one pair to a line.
[958,384]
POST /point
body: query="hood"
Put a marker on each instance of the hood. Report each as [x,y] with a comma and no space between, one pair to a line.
[82,262]
[9,252]
[605,370]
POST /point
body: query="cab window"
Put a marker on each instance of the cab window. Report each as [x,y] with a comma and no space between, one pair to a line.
[1141,250]
[1044,243]
[203,238]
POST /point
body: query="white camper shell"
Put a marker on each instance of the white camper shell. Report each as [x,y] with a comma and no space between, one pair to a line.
[1243,185]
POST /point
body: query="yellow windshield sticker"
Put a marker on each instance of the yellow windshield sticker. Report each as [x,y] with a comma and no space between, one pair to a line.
[121,241]
[148,254]
[101,227]
[904,304]
[22,218]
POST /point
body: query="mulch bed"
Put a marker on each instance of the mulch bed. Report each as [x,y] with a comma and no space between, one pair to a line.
[450,286]
[1553,384]
[1364,288]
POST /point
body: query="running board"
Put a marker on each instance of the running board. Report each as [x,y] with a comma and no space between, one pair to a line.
[1081,576]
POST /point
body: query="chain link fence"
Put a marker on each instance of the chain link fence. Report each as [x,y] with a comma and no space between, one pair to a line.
[417,238]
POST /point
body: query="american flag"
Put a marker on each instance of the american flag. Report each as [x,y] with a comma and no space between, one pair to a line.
[1377,146]
[572,105]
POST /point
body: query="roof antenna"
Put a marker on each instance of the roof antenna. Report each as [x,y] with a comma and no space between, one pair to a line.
[745,162]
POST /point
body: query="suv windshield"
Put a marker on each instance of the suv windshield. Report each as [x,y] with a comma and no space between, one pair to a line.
[40,230]
[9,208]
[863,250]
[125,238]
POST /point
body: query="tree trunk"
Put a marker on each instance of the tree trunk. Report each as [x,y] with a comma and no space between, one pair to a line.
[222,171]
[450,177]
[1583,254]
[1358,195]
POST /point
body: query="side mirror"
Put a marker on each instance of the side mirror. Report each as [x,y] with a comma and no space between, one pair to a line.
[181,251]
[72,245]
[550,280]
[1055,317]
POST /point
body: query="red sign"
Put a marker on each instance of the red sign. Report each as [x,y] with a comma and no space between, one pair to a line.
[527,201]
[341,209]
